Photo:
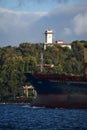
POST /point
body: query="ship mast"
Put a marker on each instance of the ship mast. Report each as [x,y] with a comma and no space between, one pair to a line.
[42,57]
[85,61]
[41,66]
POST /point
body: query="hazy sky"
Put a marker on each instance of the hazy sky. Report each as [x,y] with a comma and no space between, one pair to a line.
[26,20]
[32,5]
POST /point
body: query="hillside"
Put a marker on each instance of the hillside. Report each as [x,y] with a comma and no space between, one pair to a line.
[15,61]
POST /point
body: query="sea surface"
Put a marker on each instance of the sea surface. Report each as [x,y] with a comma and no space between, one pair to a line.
[24,117]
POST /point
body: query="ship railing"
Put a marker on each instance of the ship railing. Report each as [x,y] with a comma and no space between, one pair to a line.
[60,77]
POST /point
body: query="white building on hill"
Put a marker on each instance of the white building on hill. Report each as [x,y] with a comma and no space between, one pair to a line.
[49,42]
[62,44]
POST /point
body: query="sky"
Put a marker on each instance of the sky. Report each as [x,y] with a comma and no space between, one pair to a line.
[26,20]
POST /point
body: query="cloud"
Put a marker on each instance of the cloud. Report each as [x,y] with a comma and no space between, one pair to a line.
[67,22]
[14,26]
[76,27]
[80,23]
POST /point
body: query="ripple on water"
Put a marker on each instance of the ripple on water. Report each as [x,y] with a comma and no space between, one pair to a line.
[24,117]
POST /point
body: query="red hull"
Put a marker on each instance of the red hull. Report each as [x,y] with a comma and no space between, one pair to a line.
[61,101]
[62,105]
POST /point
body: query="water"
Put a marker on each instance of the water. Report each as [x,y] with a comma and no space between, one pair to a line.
[24,117]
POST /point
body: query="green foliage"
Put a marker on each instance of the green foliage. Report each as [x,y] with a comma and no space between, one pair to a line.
[15,61]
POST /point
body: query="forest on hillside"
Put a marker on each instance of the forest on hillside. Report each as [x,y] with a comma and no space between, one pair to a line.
[15,61]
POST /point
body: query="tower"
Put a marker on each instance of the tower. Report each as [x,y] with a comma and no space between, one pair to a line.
[48,36]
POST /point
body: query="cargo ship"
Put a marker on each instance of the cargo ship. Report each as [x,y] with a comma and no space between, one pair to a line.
[60,91]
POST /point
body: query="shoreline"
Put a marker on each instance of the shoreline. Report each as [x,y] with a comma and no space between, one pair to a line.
[9,103]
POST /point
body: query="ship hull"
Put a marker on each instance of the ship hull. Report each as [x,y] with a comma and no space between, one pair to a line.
[60,101]
[58,93]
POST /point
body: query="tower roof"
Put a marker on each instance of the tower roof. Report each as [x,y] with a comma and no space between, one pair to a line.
[49,31]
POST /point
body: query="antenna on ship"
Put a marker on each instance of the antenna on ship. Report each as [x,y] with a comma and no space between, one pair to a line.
[42,56]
